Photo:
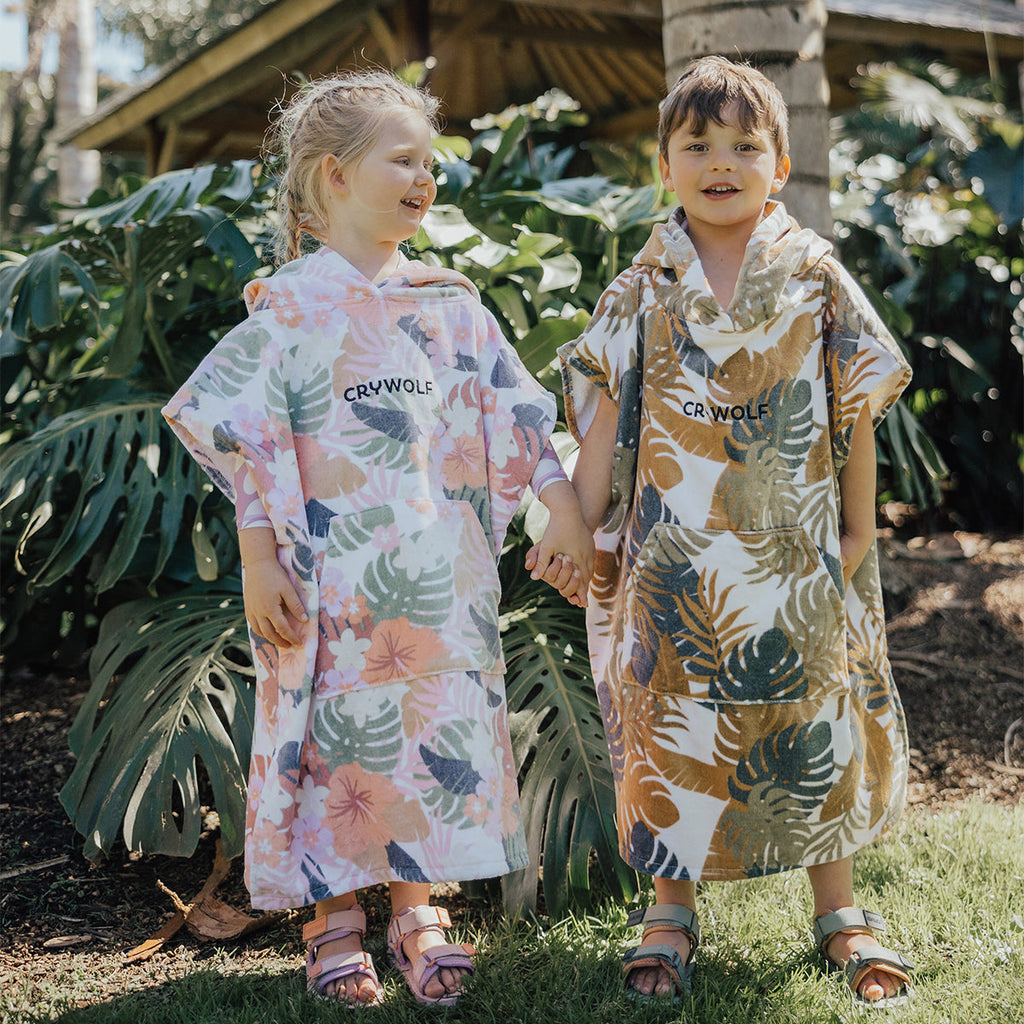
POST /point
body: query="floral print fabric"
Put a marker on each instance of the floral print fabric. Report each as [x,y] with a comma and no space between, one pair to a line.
[750,712]
[389,432]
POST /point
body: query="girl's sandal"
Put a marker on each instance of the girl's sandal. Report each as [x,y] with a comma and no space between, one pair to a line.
[419,972]
[323,971]
[852,921]
[662,917]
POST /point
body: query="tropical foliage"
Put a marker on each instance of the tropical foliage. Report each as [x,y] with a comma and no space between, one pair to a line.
[105,515]
[929,199]
[106,519]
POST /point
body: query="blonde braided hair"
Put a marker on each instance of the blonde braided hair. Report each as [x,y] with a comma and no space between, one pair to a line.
[338,114]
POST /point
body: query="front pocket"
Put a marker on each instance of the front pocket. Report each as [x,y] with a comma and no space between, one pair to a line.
[421,580]
[749,617]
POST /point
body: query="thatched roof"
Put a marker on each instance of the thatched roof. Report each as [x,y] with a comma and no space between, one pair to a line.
[607,55]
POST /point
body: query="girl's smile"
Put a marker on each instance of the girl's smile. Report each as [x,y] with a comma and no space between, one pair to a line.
[380,200]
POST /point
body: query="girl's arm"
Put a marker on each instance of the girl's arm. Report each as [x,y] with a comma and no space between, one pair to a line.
[857,484]
[273,607]
[592,487]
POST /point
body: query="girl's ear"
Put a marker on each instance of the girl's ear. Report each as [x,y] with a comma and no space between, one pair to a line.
[330,168]
[781,174]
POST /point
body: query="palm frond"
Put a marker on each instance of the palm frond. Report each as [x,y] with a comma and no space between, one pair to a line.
[558,740]
[171,683]
[89,476]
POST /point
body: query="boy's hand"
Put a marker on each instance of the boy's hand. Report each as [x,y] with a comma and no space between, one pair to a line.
[273,607]
[564,557]
[561,574]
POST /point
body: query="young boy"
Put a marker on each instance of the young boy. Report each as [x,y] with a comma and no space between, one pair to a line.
[724,395]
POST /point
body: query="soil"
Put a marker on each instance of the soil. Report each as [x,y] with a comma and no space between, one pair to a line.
[955,607]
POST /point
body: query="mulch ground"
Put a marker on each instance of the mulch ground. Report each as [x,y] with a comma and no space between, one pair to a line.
[956,622]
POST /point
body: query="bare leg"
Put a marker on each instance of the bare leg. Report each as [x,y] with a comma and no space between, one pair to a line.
[415,894]
[657,980]
[356,988]
[832,885]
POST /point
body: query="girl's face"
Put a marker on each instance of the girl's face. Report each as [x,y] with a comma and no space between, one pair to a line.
[382,199]
[723,176]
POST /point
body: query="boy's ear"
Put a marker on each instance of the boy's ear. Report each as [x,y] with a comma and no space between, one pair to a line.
[330,168]
[782,166]
[666,178]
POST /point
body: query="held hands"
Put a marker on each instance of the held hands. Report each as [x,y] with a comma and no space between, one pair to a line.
[564,556]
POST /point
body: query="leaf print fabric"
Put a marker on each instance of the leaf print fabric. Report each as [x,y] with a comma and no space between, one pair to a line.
[388,432]
[750,712]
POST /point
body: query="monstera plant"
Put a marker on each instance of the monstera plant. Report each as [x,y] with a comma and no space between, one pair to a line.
[110,526]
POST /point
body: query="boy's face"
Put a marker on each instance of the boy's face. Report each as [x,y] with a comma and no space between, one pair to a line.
[723,176]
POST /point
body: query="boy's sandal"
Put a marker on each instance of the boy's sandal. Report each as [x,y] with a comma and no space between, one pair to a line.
[662,917]
[419,972]
[852,921]
[323,971]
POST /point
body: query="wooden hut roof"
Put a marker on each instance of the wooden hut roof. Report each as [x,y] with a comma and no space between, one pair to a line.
[606,54]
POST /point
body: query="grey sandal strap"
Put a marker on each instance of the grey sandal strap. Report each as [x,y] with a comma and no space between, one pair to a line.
[847,919]
[668,915]
[877,956]
[659,955]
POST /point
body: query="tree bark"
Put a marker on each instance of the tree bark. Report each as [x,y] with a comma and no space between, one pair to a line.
[785,39]
[78,171]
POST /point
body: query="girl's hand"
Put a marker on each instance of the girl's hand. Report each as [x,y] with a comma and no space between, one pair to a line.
[273,607]
[564,557]
[561,574]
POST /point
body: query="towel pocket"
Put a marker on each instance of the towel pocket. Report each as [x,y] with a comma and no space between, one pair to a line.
[408,589]
[752,616]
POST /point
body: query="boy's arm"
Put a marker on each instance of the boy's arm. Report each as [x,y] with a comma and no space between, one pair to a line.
[592,477]
[857,484]
[273,608]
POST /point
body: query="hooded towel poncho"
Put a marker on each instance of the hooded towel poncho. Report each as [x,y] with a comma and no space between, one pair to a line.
[389,432]
[749,708]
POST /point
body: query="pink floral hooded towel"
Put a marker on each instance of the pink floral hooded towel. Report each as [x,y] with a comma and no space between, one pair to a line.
[388,431]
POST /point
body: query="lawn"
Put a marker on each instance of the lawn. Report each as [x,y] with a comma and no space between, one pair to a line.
[950,884]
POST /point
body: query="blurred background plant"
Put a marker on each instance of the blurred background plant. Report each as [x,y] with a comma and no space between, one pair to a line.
[113,543]
[928,180]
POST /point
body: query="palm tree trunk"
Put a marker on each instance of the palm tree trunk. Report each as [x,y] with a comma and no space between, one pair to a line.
[78,171]
[785,39]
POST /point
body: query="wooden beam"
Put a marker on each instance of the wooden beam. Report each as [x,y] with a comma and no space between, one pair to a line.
[847,28]
[459,35]
[165,159]
[650,9]
[613,39]
[182,82]
[381,31]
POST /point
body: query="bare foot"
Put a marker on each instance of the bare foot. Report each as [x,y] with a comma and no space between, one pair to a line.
[448,980]
[659,981]
[878,983]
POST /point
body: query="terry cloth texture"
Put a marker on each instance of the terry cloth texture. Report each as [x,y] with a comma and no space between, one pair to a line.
[389,432]
[748,703]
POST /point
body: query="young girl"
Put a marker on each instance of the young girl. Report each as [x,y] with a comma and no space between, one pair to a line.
[724,394]
[376,432]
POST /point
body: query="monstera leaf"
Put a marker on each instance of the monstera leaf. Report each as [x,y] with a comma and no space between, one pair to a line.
[108,471]
[559,745]
[171,683]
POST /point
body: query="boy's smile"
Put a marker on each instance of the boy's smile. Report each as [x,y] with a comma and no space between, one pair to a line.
[723,175]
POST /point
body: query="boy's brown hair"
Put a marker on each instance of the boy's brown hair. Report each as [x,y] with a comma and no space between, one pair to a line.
[708,86]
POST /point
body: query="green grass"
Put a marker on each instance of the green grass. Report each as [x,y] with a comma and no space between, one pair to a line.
[951,887]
